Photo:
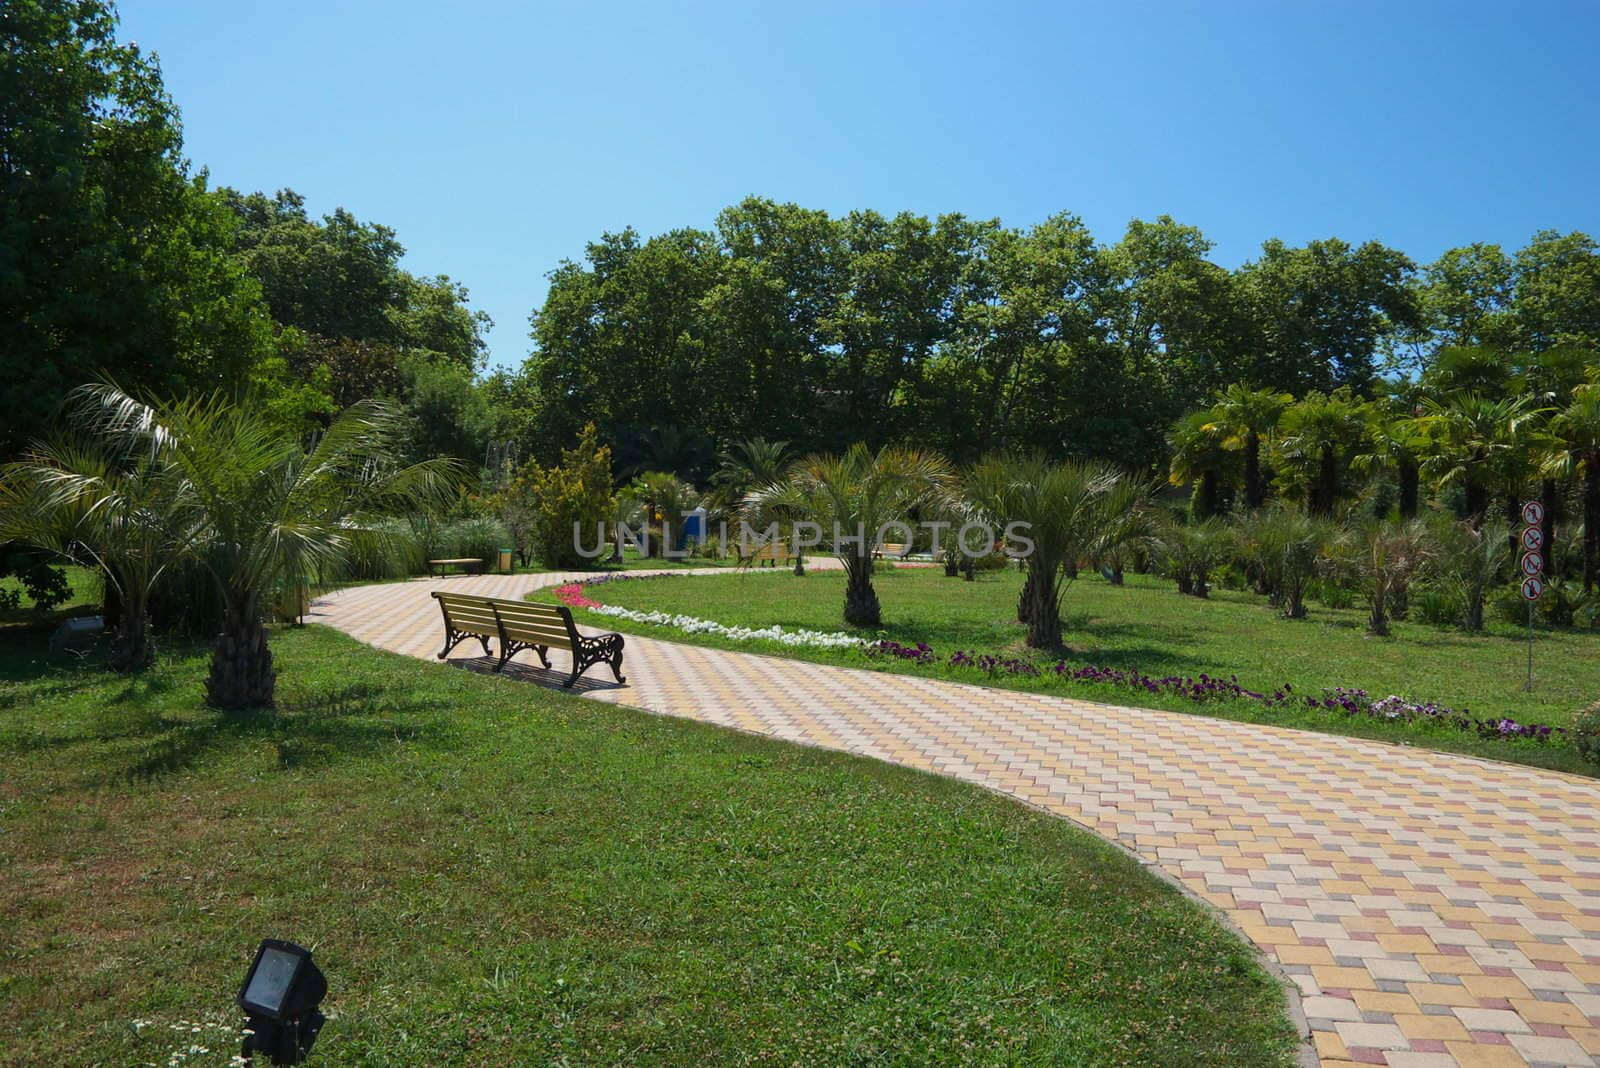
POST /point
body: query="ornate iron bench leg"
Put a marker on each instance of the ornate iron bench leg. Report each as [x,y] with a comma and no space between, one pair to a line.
[587,652]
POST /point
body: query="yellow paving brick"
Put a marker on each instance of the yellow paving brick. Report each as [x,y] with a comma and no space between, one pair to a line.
[1383,1001]
[1495,986]
[1549,1012]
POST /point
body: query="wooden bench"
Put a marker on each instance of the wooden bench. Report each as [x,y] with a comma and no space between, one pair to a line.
[465,563]
[890,548]
[770,554]
[520,625]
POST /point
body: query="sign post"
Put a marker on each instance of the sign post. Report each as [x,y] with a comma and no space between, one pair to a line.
[1531,567]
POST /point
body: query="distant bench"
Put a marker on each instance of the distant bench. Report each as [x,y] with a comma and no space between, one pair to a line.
[770,554]
[890,548]
[466,563]
[520,625]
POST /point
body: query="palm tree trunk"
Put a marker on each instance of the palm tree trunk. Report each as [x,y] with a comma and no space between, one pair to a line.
[1477,501]
[1044,616]
[1378,619]
[1591,521]
[1255,494]
[241,664]
[1327,482]
[1025,601]
[861,608]
[1208,494]
[1550,495]
[130,642]
[1410,480]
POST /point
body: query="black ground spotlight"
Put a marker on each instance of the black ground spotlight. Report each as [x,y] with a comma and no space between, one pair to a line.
[280,995]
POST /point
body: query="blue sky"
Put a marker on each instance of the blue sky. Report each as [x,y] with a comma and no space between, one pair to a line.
[499,138]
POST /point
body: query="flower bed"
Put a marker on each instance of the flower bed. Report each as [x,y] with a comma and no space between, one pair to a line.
[1202,688]
[1198,689]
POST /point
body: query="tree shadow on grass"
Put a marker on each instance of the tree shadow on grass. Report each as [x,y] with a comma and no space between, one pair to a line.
[352,722]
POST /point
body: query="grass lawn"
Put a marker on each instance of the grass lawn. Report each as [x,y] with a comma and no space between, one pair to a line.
[86,588]
[491,873]
[1148,625]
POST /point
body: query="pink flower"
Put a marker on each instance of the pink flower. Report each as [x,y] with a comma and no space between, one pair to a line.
[572,596]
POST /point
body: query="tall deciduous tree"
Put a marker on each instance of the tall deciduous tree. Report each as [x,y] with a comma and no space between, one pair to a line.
[1324,310]
[112,258]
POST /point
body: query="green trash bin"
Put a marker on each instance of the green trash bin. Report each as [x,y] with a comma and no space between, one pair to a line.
[505,559]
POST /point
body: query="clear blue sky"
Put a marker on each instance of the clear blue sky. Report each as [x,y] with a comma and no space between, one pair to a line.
[499,138]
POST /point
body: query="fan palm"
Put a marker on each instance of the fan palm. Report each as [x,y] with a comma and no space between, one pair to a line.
[271,510]
[1390,444]
[1314,440]
[1475,441]
[1058,507]
[852,496]
[1576,431]
[1246,418]
[1200,456]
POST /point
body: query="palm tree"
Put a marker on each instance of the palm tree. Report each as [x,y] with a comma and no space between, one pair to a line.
[1200,456]
[122,513]
[758,462]
[1476,441]
[1471,559]
[852,496]
[1383,558]
[1246,418]
[1126,523]
[1287,545]
[272,510]
[666,499]
[1191,551]
[1390,444]
[1576,431]
[1314,440]
[1060,506]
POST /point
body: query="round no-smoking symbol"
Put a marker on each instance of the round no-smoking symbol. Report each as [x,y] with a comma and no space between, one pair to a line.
[1532,564]
[1532,588]
[1533,513]
[1533,539]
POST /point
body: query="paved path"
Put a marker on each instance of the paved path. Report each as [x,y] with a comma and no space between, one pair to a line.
[1432,909]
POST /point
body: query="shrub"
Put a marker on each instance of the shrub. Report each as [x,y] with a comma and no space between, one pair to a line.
[1439,607]
[575,494]
[1586,733]
[1563,603]
[478,539]
[1331,594]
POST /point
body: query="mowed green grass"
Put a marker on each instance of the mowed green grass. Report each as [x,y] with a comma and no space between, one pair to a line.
[1147,625]
[492,873]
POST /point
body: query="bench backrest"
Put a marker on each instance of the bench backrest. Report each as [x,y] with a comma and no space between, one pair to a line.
[772,550]
[523,621]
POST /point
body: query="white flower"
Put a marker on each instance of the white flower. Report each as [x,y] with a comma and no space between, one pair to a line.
[775,633]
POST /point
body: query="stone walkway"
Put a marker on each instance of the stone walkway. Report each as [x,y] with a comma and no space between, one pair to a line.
[1432,909]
